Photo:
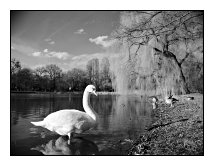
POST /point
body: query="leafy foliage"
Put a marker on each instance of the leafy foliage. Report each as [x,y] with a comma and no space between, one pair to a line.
[52,78]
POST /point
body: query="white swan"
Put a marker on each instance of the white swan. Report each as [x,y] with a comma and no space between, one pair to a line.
[67,122]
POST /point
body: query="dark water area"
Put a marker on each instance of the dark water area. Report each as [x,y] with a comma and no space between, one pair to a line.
[121,117]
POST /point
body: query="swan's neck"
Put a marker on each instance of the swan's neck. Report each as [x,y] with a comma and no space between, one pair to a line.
[87,106]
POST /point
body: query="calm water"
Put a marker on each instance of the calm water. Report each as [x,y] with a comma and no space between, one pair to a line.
[121,118]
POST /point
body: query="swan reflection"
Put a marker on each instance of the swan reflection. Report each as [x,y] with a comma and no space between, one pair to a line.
[60,146]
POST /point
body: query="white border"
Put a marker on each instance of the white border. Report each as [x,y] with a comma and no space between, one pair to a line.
[104,5]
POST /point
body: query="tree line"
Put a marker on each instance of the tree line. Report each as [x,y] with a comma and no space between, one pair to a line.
[160,51]
[51,78]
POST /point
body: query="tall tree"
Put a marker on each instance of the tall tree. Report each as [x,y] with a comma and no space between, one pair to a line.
[165,29]
[25,80]
[41,79]
[105,79]
[77,79]
[53,72]
[15,67]
[93,71]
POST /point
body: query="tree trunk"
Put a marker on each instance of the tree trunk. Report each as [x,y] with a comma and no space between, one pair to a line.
[168,54]
[183,79]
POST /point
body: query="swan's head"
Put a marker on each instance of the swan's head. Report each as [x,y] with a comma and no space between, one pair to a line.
[91,89]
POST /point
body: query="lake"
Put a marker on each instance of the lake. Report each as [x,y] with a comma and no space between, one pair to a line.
[122,117]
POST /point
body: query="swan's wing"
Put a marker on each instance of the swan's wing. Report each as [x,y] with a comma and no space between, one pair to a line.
[67,118]
[79,125]
[83,125]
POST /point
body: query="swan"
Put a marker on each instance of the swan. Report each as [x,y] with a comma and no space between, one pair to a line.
[69,121]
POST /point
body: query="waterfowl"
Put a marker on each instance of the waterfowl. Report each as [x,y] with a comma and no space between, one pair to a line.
[170,100]
[190,98]
[154,101]
[69,121]
[154,106]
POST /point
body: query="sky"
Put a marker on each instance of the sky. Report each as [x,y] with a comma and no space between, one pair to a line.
[65,38]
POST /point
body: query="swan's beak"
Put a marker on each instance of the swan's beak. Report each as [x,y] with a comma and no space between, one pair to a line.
[94,92]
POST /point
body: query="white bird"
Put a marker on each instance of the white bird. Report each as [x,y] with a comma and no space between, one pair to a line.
[69,121]
[190,98]
[170,100]
[154,102]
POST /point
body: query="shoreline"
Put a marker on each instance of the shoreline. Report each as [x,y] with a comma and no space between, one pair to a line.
[176,131]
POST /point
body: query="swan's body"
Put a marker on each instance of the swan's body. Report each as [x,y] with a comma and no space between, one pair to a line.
[66,122]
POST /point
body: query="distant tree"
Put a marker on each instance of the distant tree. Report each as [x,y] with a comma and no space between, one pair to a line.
[93,71]
[105,79]
[54,73]
[25,80]
[63,84]
[105,67]
[166,29]
[89,69]
[41,80]
[77,79]
[15,66]
[40,71]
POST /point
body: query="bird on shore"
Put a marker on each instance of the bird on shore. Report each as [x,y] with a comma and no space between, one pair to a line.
[190,98]
[170,100]
[70,121]
[154,102]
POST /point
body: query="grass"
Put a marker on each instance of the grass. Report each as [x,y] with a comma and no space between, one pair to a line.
[176,131]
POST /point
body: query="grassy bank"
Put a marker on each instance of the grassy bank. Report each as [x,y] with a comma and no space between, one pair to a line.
[176,130]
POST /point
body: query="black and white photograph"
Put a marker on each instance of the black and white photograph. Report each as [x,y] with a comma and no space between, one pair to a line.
[107,82]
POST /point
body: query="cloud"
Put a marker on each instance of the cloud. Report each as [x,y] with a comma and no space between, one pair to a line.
[52,54]
[22,48]
[102,40]
[59,55]
[80,31]
[50,41]
[45,50]
[36,54]
[81,61]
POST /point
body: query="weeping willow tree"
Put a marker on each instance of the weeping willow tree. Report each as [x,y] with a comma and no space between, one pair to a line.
[155,46]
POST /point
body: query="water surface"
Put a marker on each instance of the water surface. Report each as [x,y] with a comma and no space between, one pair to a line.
[121,118]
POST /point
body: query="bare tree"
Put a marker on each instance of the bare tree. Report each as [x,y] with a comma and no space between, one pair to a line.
[15,66]
[167,28]
[93,71]
[54,73]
